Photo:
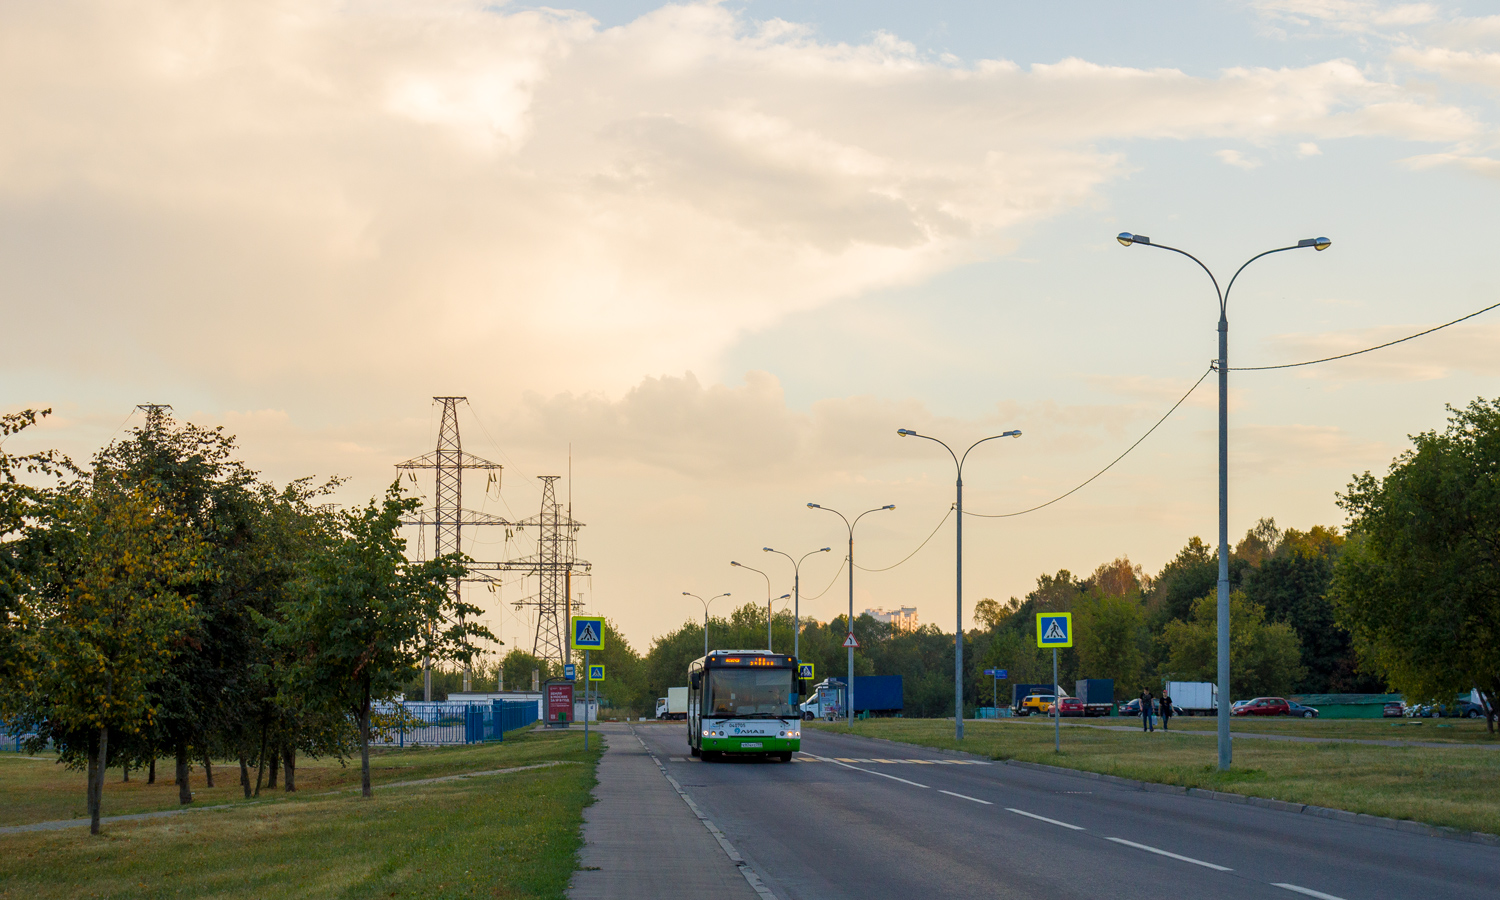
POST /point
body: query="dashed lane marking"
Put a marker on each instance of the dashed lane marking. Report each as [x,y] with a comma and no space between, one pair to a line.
[1022,812]
[1176,856]
[966,797]
[1306,892]
[808,757]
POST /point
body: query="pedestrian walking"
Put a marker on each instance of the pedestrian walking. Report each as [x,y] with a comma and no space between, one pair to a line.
[1166,709]
[1146,723]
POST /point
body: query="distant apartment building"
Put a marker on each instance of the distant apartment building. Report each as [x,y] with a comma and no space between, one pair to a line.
[904,619]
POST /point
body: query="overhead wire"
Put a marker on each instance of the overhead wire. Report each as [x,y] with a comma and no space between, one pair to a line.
[1080,487]
[914,552]
[1325,359]
[835,580]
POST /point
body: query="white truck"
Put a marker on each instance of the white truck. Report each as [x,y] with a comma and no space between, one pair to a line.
[825,702]
[1195,698]
[674,705]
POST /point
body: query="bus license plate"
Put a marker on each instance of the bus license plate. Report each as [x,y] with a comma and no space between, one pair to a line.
[751,745]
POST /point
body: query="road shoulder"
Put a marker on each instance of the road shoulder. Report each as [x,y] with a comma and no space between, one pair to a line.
[642,841]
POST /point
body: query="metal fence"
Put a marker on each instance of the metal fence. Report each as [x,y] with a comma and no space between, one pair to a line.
[429,724]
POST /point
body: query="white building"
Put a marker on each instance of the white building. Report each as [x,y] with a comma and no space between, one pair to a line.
[904,618]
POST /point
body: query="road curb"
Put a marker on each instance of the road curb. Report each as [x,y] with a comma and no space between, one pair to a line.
[1343,815]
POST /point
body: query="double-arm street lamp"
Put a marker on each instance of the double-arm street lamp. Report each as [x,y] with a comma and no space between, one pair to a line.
[797,595]
[1222,364]
[958,637]
[705,614]
[768,597]
[849,689]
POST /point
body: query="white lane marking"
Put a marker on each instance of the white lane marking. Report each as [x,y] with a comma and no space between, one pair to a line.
[1308,892]
[1022,812]
[677,758]
[966,797]
[873,772]
[1159,852]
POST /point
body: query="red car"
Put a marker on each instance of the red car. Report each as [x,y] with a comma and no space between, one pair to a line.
[1264,706]
[1071,706]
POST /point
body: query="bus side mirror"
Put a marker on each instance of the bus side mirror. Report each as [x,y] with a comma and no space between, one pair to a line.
[696,680]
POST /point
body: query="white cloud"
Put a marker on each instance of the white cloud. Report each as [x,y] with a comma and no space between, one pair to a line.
[1308,148]
[1237,159]
[314,191]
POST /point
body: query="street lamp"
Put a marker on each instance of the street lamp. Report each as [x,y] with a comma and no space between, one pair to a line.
[958,637]
[705,615]
[797,595]
[849,690]
[1222,364]
[768,598]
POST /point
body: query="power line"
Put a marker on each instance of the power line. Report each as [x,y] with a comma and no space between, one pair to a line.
[1325,359]
[835,580]
[914,552]
[1106,468]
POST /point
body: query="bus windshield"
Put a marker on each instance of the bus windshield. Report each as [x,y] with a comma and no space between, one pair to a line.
[746,693]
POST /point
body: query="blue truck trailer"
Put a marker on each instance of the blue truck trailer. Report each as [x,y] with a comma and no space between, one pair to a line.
[877,695]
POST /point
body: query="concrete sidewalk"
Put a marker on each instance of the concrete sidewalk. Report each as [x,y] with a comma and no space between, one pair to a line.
[642,841]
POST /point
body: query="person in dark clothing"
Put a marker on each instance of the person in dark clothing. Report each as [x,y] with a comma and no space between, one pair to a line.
[1146,723]
[1166,709]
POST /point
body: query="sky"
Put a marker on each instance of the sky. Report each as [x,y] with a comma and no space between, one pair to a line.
[710,256]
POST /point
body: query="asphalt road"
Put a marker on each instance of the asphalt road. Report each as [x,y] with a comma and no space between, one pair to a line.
[868,820]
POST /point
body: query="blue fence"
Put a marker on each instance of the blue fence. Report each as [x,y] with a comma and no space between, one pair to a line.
[453,723]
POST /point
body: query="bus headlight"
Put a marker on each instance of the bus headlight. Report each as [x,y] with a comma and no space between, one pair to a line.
[705,733]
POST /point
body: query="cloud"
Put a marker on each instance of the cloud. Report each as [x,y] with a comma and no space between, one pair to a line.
[1237,159]
[279,194]
[1308,148]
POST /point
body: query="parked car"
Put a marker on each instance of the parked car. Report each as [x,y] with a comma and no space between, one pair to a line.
[1264,706]
[1237,704]
[1297,709]
[1070,706]
[1037,703]
[1469,710]
[1393,710]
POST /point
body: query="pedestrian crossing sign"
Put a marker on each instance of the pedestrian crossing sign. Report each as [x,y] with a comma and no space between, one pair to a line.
[588,633]
[805,671]
[596,673]
[1054,630]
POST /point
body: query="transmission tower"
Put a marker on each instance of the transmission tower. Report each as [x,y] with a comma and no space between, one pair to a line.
[447,515]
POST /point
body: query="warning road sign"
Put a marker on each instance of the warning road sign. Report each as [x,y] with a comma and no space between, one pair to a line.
[588,633]
[596,673]
[805,670]
[1054,629]
[850,641]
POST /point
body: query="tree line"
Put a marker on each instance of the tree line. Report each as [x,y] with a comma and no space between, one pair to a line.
[1406,597]
[166,602]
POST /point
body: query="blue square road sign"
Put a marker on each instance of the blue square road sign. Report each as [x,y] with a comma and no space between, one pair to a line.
[1054,630]
[570,671]
[588,633]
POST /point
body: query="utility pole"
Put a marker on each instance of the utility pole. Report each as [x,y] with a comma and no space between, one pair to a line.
[447,515]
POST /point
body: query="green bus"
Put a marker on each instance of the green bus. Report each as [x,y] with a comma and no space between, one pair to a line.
[744,702]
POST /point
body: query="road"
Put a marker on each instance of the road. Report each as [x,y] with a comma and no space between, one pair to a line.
[869,820]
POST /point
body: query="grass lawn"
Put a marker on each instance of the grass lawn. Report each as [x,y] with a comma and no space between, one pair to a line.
[1458,731]
[1458,786]
[510,836]
[40,790]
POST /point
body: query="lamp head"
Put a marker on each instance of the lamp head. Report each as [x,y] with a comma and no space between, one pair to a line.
[1317,243]
[825,549]
[889,506]
[733,563]
[784,597]
[1013,433]
[813,506]
[768,550]
[1126,239]
[905,431]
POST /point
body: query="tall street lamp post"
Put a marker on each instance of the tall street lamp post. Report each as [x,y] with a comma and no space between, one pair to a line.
[797,596]
[705,615]
[768,598]
[1222,364]
[849,689]
[958,637]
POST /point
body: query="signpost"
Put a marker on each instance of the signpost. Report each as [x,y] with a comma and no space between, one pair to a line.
[587,634]
[996,674]
[1055,630]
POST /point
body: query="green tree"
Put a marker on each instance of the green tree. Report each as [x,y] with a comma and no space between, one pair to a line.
[364,617]
[1110,639]
[1264,658]
[1418,585]
[102,621]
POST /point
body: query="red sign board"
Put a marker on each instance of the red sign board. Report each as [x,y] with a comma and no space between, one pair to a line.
[559,703]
